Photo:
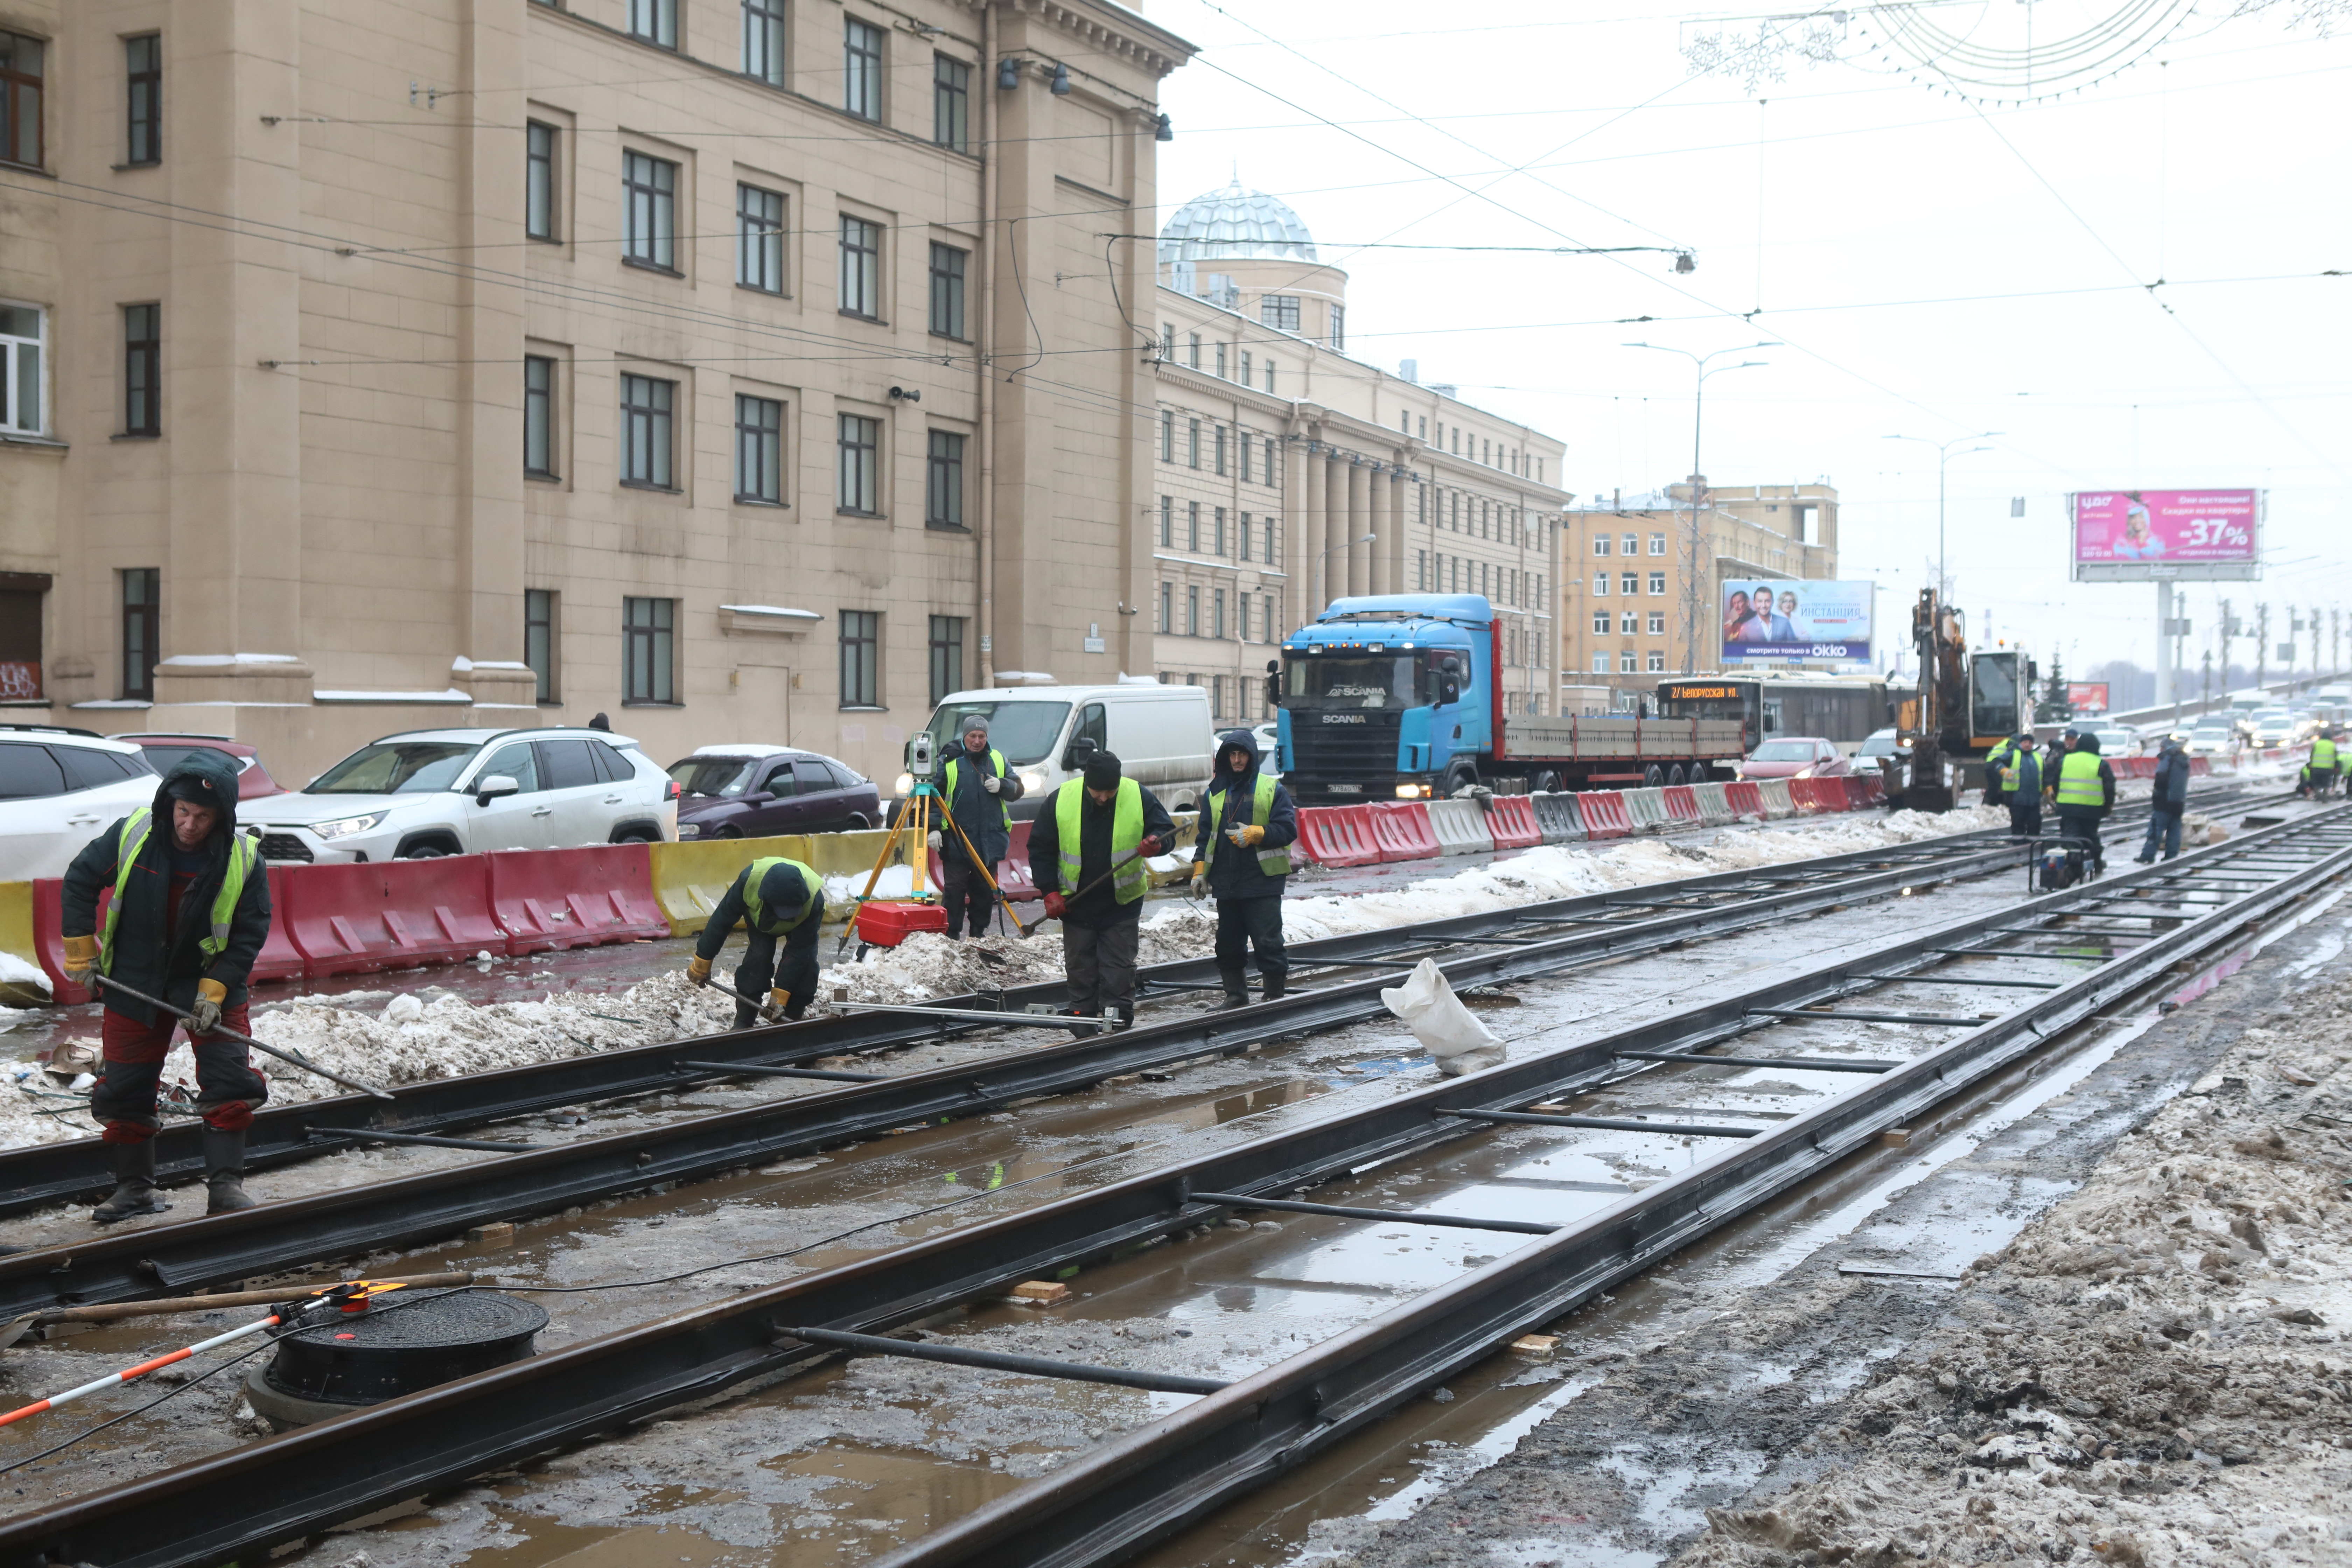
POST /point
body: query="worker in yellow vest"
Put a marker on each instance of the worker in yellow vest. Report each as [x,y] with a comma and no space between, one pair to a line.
[778,901]
[1087,855]
[1242,855]
[2319,772]
[2082,787]
[978,789]
[189,916]
[1996,765]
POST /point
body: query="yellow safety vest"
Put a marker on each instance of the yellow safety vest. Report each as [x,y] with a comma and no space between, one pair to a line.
[996,761]
[758,872]
[1127,881]
[2323,753]
[243,856]
[2078,780]
[1273,862]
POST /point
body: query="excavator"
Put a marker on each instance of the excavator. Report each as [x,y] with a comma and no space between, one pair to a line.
[1966,704]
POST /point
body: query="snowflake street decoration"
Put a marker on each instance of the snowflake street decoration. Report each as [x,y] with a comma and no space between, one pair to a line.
[1752,62]
[2323,16]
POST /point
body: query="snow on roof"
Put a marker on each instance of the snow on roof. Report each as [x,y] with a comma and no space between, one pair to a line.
[745,749]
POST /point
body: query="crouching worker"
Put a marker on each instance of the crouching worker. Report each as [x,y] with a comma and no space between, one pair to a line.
[189,916]
[1243,857]
[775,899]
[1087,855]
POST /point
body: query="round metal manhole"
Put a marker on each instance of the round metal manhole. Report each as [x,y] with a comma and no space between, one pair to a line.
[413,1340]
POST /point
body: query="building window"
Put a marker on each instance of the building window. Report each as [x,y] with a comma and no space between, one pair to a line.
[1338,329]
[1241,617]
[1601,623]
[858,487]
[1601,584]
[1269,444]
[764,40]
[1627,662]
[539,416]
[861,266]
[646,402]
[1421,570]
[656,21]
[1657,544]
[1167,525]
[1629,581]
[1269,387]
[142,370]
[943,488]
[1244,377]
[759,449]
[1246,456]
[1279,311]
[1192,444]
[648,647]
[539,181]
[1628,622]
[1191,612]
[861,69]
[143,612]
[1167,434]
[1217,538]
[1657,662]
[1193,526]
[1221,449]
[1194,359]
[1600,664]
[1242,537]
[142,60]
[1632,543]
[1273,627]
[1217,615]
[1657,583]
[23,336]
[947,291]
[649,216]
[760,238]
[1167,342]
[1657,623]
[1167,621]
[861,658]
[952,103]
[539,639]
[1220,362]
[947,657]
[21,62]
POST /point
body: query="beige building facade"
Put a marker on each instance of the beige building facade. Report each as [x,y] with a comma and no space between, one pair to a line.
[746,370]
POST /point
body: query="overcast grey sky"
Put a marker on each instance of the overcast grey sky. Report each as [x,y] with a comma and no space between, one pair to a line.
[1934,267]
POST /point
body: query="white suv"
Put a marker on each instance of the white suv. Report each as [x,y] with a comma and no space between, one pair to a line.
[452,791]
[59,790]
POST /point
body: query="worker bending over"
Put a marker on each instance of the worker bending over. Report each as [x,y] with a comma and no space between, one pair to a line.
[775,899]
[1242,855]
[1087,855]
[189,915]
[2319,772]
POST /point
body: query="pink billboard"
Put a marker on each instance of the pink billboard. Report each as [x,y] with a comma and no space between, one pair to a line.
[2114,528]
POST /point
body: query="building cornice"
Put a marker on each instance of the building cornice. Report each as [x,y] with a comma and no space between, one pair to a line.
[1113,29]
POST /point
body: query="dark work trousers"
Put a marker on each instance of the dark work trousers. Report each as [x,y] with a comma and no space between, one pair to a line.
[1246,923]
[2024,816]
[2164,827]
[759,972]
[2081,823]
[123,1101]
[967,894]
[1101,963]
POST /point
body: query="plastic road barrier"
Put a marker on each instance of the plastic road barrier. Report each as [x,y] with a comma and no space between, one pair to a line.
[398,914]
[1403,831]
[1555,814]
[1511,821]
[1605,814]
[1647,807]
[547,899]
[1338,834]
[2201,767]
[690,877]
[1775,796]
[23,982]
[1681,803]
[281,959]
[1714,802]
[1460,827]
[1745,800]
[851,854]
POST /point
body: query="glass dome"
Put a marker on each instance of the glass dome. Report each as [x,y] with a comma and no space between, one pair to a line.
[1224,225]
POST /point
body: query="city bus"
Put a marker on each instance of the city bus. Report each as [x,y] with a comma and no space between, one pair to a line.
[1841,709]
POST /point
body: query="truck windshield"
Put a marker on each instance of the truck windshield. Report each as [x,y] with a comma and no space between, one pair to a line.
[1023,730]
[1390,682]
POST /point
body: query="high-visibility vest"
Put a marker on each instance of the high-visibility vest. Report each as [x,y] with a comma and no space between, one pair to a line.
[244,854]
[2323,753]
[2078,780]
[1998,758]
[1273,862]
[1127,881]
[757,873]
[996,761]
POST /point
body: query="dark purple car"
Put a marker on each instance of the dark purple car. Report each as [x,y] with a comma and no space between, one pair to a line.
[753,792]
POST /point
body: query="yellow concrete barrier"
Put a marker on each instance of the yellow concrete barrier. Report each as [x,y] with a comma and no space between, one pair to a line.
[16,985]
[851,854]
[690,878]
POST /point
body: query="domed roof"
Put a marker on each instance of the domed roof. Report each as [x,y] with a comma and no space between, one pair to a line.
[1234,222]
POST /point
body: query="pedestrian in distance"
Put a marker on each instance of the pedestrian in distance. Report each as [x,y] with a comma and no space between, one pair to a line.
[189,915]
[2083,787]
[1242,855]
[978,790]
[1087,855]
[777,901]
[2167,801]
[2021,776]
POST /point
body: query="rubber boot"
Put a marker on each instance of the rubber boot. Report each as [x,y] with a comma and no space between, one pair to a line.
[746,1015]
[1273,986]
[134,1185]
[1236,988]
[224,1172]
[1121,1016]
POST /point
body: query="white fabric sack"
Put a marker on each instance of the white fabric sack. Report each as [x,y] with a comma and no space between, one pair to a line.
[1445,1029]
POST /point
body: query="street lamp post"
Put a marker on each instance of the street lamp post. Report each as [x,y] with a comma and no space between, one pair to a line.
[1698,409]
[1944,453]
[1323,561]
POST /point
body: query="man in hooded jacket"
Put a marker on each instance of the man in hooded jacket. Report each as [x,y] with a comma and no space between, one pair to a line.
[189,916]
[1242,855]
[776,899]
[977,788]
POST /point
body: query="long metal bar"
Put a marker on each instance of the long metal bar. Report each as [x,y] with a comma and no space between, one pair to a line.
[1606,1123]
[978,1017]
[236,1504]
[1401,1216]
[753,1069]
[380,1136]
[1002,1361]
[1801,1064]
[1929,977]
[1811,1014]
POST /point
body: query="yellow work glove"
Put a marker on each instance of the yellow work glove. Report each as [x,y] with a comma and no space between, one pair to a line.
[205,1017]
[81,957]
[698,970]
[1200,869]
[778,1000]
[1252,836]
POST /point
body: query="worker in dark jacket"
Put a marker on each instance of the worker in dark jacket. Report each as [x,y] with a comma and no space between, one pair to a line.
[1998,764]
[978,790]
[1242,855]
[1087,855]
[2021,778]
[2166,802]
[189,915]
[775,899]
[2084,787]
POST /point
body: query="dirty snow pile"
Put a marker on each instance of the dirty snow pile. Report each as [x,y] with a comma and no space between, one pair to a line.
[2169,1381]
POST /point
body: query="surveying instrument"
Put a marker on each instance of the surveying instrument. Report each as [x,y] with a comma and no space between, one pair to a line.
[923,812]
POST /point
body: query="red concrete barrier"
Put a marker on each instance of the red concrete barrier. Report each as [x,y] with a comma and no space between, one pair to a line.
[1511,819]
[1806,795]
[1402,831]
[1338,834]
[547,899]
[1605,814]
[1682,805]
[279,961]
[1745,799]
[398,914]
[2201,767]
[1011,873]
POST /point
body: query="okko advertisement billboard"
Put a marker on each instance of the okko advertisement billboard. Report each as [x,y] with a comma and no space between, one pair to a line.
[1782,619]
[2140,534]
[2088,697]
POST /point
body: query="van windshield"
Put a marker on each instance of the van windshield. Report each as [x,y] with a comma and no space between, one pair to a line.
[1024,732]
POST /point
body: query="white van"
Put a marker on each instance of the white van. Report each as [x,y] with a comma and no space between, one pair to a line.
[1160,734]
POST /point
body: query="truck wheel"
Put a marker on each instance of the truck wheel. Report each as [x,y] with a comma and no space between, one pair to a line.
[1676,775]
[1545,782]
[1656,778]
[1459,777]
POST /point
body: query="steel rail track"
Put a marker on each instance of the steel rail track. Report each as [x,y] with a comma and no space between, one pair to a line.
[240,1504]
[213,1250]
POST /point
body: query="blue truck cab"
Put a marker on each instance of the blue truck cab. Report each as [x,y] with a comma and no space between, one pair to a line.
[1389,696]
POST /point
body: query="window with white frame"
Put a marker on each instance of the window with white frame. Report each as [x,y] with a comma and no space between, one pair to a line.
[1628,622]
[1628,662]
[1601,623]
[1600,664]
[1657,583]
[24,399]
[1657,623]
[1657,544]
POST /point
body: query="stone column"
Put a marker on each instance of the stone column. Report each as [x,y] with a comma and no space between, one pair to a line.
[1308,573]
[1335,528]
[1384,527]
[1359,523]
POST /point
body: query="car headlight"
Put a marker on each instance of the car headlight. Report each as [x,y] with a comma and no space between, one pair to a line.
[345,826]
[690,830]
[1033,779]
[1804,772]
